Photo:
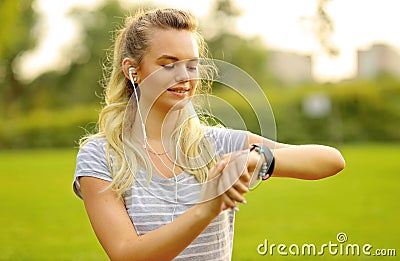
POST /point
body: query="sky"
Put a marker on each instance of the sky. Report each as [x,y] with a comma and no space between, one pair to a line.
[283,25]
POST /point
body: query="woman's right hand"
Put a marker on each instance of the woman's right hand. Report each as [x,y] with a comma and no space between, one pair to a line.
[227,181]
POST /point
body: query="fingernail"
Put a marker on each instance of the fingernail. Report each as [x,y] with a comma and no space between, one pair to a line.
[244,201]
[236,209]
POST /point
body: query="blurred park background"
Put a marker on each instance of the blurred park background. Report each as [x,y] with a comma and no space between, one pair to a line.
[44,113]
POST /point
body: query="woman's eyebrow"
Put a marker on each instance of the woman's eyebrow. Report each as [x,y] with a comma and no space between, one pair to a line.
[175,59]
[168,57]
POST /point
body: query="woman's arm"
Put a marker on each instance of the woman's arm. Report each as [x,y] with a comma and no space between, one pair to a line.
[302,161]
[118,237]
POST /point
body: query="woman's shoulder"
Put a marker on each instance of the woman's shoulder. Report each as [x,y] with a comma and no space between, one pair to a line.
[227,139]
[93,148]
[91,161]
[94,143]
[220,132]
[93,158]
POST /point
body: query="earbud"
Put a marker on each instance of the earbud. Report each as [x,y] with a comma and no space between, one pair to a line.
[132,76]
[132,70]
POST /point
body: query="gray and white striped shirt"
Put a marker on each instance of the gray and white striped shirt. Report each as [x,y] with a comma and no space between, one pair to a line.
[155,204]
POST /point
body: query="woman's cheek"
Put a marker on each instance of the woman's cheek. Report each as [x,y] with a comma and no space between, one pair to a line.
[193,85]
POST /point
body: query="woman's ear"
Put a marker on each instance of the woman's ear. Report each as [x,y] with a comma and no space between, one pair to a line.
[127,65]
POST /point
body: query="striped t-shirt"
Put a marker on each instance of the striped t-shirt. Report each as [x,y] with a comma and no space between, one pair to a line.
[155,204]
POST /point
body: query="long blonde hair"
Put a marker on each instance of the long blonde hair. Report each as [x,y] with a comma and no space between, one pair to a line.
[133,41]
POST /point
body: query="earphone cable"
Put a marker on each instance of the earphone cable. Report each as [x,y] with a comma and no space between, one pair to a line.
[138,108]
[146,142]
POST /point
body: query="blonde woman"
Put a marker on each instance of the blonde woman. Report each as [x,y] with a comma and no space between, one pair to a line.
[158,184]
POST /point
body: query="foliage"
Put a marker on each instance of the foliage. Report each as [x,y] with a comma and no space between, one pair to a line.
[82,83]
[247,53]
[250,54]
[360,111]
[48,128]
[325,28]
[16,37]
[55,108]
[16,18]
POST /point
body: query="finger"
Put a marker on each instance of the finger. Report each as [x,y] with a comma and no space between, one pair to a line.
[227,180]
[229,177]
[245,177]
[235,167]
[235,195]
[228,201]
[210,188]
[225,156]
[220,166]
[217,169]
[241,187]
[224,206]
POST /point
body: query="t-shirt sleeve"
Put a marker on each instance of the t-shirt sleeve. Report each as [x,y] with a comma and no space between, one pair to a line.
[91,162]
[227,140]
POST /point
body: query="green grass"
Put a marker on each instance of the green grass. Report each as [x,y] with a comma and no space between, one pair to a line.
[362,201]
[43,220]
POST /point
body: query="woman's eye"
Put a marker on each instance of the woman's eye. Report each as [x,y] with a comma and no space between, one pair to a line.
[169,66]
[192,68]
[189,67]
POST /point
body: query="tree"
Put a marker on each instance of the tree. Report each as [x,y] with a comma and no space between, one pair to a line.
[226,44]
[324,27]
[17,18]
[81,83]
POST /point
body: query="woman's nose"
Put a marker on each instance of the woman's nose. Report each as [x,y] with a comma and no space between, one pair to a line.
[182,73]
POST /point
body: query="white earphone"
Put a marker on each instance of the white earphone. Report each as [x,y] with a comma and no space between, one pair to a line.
[132,70]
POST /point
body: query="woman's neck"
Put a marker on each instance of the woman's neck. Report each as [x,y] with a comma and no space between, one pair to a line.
[160,126]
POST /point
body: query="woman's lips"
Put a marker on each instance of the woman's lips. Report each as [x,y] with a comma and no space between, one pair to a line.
[179,90]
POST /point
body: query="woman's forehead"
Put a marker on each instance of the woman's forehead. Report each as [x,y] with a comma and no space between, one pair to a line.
[181,44]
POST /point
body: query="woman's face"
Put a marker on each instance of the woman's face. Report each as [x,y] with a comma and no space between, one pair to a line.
[168,73]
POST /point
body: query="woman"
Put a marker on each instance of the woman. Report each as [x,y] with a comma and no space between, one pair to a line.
[156,183]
